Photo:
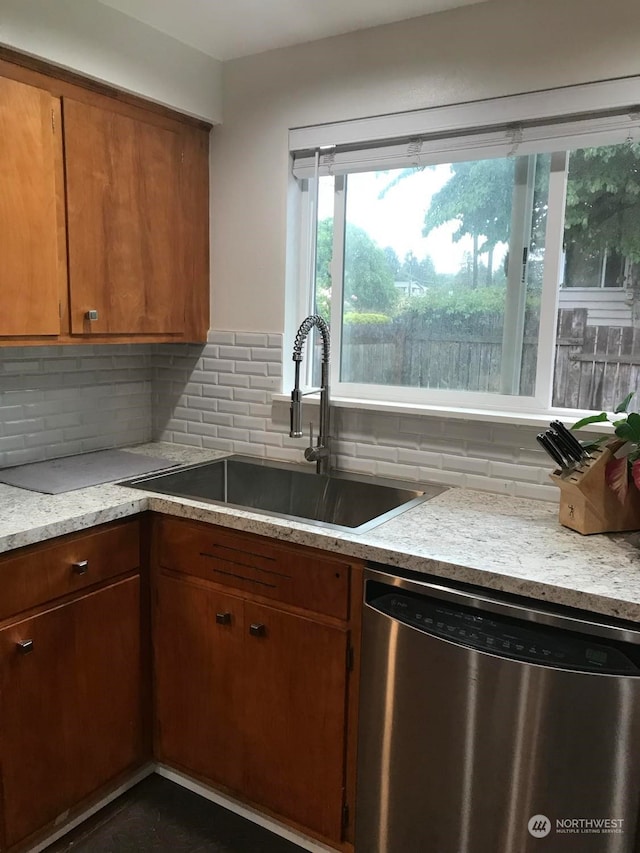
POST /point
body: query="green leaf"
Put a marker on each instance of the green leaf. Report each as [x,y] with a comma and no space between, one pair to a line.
[592,419]
[626,432]
[633,420]
[624,405]
[594,442]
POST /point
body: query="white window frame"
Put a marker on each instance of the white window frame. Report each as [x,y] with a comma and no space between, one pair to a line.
[579,130]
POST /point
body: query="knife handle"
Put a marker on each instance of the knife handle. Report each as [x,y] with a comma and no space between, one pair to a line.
[544,442]
[570,439]
[567,447]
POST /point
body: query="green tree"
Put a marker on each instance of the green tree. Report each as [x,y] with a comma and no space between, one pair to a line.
[423,271]
[603,199]
[393,260]
[477,197]
[368,275]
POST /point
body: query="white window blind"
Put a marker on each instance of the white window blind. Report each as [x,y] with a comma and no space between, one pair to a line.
[508,141]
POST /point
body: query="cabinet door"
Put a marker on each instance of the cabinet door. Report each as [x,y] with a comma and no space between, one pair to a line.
[107,713]
[294,717]
[70,704]
[198,636]
[124,222]
[29,212]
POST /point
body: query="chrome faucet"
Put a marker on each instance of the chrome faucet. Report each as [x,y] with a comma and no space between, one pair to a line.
[320,453]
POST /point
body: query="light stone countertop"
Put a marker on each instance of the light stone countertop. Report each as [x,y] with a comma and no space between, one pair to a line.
[496,541]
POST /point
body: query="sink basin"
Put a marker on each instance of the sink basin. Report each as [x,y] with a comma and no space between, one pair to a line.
[289,491]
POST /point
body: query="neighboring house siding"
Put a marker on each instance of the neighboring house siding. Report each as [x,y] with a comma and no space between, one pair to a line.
[605,307]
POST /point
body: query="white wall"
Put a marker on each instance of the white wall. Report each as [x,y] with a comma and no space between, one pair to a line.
[105,44]
[502,47]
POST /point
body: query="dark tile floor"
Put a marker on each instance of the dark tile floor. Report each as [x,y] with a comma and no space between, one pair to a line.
[158,815]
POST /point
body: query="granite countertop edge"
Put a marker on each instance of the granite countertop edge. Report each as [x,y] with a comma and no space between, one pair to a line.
[494,541]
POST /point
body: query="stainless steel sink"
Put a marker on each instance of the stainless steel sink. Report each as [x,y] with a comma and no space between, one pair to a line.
[289,491]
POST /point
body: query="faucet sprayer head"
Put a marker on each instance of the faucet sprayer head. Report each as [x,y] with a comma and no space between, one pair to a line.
[302,333]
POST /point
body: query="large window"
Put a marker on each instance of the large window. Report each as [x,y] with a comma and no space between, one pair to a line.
[497,269]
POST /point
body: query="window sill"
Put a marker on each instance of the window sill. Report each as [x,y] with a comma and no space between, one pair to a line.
[535,419]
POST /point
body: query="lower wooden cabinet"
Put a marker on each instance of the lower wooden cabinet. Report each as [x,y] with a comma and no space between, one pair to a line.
[254,678]
[72,685]
[198,640]
[250,695]
[295,728]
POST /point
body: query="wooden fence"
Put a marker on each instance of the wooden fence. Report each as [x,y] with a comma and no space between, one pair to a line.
[595,366]
[451,353]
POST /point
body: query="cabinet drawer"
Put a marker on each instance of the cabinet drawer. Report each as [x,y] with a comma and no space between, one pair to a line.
[292,575]
[40,573]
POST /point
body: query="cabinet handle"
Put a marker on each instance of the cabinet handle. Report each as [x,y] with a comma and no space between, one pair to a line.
[81,567]
[257,629]
[223,618]
[24,647]
[91,314]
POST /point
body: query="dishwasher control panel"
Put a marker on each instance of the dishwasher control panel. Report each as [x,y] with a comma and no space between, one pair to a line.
[502,635]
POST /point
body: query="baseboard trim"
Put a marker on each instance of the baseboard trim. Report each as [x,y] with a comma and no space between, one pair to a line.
[245,811]
[66,827]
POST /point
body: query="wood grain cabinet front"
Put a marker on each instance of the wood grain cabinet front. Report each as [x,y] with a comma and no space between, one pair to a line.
[104,220]
[30,215]
[253,694]
[73,676]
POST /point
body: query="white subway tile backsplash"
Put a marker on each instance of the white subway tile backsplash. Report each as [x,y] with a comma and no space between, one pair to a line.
[252,339]
[249,448]
[513,471]
[441,477]
[224,365]
[235,380]
[233,407]
[257,368]
[247,368]
[410,473]
[217,337]
[191,440]
[236,353]
[260,410]
[359,466]
[465,463]
[219,418]
[209,430]
[537,492]
[273,439]
[234,434]
[272,354]
[489,484]
[217,391]
[60,400]
[247,422]
[216,444]
[74,398]
[200,404]
[268,383]
[419,457]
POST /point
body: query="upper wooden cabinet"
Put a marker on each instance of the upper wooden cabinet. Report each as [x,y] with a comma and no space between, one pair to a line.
[29,210]
[103,215]
[123,181]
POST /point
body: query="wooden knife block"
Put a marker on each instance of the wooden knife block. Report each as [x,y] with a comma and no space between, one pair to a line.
[588,504]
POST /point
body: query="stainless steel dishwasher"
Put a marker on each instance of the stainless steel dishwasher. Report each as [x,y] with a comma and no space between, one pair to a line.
[491,726]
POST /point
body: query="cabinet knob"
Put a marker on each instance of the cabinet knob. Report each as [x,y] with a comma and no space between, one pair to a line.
[24,647]
[257,629]
[91,314]
[223,618]
[81,567]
